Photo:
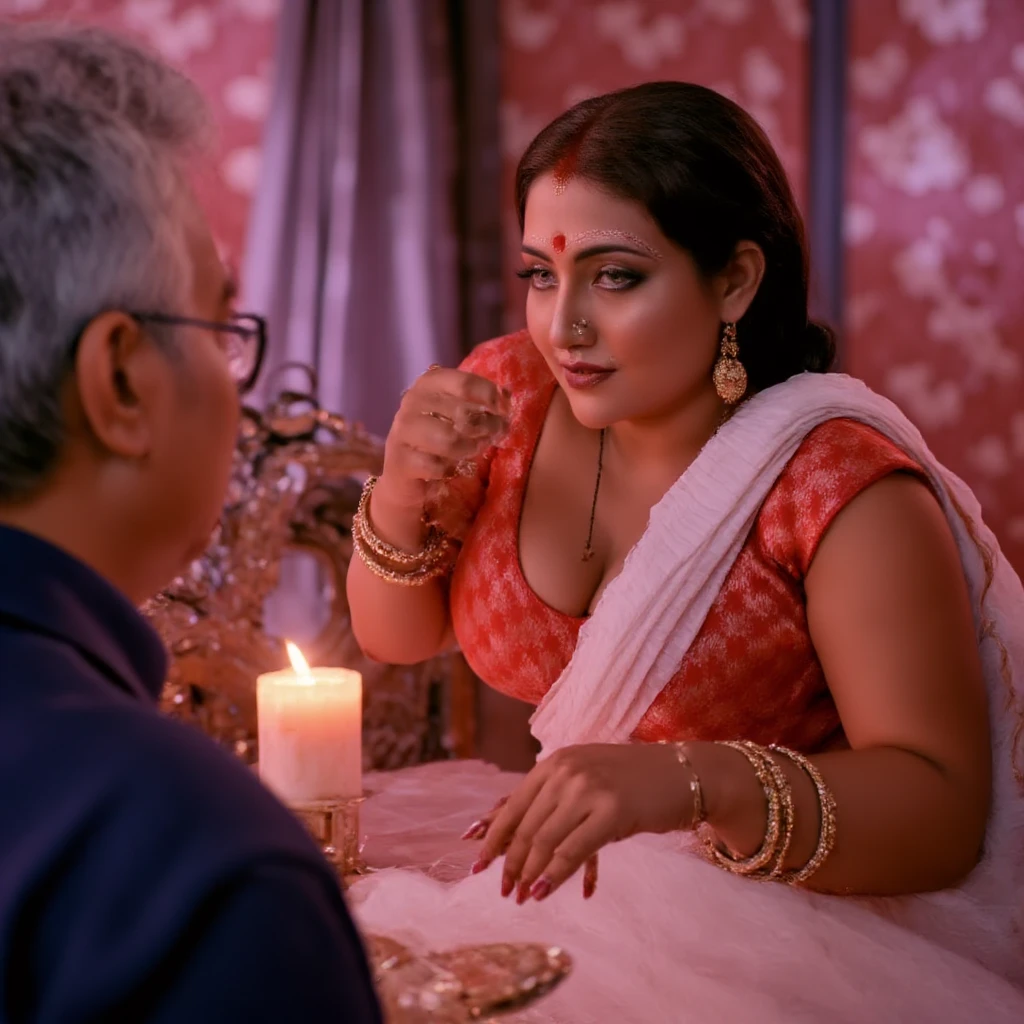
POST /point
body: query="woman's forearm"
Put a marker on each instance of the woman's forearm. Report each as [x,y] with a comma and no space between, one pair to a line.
[904,823]
[392,623]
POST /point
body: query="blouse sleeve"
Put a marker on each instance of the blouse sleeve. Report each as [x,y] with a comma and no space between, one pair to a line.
[836,462]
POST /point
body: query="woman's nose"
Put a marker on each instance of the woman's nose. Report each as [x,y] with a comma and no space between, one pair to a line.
[571,330]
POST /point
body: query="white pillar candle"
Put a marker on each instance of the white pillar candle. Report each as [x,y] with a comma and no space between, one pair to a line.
[310,732]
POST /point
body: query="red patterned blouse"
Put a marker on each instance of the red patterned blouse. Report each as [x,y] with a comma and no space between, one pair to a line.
[752,671]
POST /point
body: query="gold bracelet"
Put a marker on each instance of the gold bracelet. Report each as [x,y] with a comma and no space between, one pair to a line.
[434,548]
[775,868]
[697,818]
[827,827]
[758,759]
[414,577]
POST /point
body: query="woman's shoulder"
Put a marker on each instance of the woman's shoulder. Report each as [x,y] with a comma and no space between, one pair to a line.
[836,461]
[511,361]
[842,453]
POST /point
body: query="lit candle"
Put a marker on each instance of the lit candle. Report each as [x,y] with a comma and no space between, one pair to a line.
[310,731]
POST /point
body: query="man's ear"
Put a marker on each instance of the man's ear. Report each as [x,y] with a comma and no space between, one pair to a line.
[118,373]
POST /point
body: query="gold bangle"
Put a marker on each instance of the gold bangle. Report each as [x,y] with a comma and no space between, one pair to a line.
[827,826]
[785,791]
[775,866]
[698,815]
[434,548]
[753,864]
[414,577]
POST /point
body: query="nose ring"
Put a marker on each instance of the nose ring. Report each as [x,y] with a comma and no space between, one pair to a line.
[579,326]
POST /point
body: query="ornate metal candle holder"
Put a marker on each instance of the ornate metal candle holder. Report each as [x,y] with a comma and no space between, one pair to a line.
[334,824]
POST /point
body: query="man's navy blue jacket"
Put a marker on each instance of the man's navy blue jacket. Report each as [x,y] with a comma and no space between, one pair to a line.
[145,875]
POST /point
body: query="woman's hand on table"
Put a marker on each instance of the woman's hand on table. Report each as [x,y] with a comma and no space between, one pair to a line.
[578,800]
[480,828]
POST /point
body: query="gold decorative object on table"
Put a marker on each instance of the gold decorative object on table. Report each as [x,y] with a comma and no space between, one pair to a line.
[334,824]
[465,984]
[297,477]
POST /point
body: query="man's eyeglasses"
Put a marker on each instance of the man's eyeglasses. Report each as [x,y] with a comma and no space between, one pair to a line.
[246,335]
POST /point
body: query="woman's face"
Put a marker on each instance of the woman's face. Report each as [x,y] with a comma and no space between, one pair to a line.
[652,320]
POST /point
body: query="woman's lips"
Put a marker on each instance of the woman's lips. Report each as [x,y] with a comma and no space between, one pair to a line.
[585,375]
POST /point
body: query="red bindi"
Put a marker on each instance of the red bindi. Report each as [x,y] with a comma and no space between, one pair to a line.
[558,243]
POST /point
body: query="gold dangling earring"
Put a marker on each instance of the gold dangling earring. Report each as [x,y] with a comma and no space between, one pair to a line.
[729,376]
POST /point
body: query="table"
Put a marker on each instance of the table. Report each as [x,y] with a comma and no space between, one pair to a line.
[414,817]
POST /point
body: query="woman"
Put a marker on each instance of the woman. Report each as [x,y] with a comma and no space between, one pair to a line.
[746,599]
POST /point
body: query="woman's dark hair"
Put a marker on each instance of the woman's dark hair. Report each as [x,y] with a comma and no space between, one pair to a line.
[707,174]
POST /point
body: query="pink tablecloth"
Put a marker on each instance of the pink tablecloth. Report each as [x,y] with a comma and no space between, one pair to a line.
[668,937]
[413,818]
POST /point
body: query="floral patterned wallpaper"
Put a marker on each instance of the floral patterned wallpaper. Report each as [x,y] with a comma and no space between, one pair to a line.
[934,227]
[558,52]
[227,48]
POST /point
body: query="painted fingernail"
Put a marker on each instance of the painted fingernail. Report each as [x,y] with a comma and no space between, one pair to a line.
[481,865]
[475,831]
[589,887]
[523,894]
[507,885]
[541,888]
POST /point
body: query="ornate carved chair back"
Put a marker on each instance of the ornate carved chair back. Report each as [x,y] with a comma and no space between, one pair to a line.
[295,484]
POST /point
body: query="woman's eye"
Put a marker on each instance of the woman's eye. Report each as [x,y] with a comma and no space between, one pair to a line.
[616,278]
[539,277]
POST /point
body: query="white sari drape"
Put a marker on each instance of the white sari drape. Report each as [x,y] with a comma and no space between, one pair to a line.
[699,942]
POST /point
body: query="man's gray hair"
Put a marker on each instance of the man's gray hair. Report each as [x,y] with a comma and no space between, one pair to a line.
[93,137]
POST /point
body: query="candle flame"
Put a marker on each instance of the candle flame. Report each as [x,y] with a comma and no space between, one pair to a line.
[299,662]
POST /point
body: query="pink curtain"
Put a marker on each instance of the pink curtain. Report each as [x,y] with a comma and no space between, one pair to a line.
[351,251]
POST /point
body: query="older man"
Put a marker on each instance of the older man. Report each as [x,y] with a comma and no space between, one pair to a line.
[144,875]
